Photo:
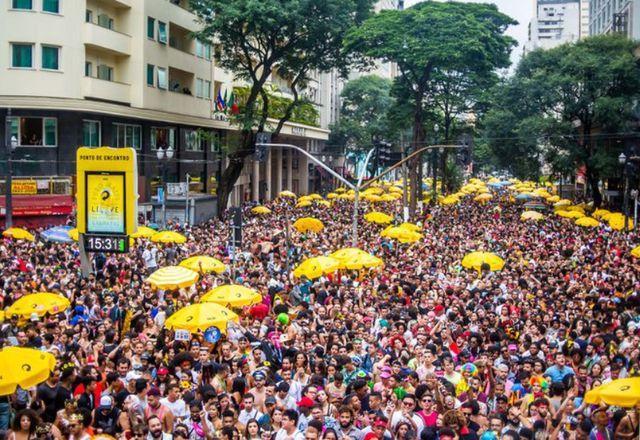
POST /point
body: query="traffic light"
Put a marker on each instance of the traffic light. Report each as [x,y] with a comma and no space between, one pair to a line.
[260,153]
[384,153]
[463,156]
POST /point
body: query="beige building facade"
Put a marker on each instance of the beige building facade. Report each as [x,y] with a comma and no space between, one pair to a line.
[128,73]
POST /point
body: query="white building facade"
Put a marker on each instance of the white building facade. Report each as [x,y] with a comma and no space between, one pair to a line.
[555,22]
[615,16]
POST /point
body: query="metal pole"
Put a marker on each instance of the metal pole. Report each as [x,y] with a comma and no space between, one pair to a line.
[286,237]
[85,262]
[8,198]
[357,197]
[164,195]
[626,198]
[434,177]
[635,212]
[186,214]
[405,206]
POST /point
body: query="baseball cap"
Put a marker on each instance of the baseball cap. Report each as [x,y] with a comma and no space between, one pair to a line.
[385,375]
[305,402]
[270,400]
[105,402]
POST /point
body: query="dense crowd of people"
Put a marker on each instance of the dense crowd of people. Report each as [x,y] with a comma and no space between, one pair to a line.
[420,348]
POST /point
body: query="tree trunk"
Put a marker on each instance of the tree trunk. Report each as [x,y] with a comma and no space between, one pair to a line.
[231,174]
[592,180]
[418,136]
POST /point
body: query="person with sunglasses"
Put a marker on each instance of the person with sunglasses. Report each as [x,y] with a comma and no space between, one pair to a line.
[428,412]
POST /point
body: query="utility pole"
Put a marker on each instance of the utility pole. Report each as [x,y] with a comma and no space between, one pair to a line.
[10,143]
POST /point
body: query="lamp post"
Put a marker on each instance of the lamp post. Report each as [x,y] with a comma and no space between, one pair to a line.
[622,160]
[11,143]
[434,167]
[164,156]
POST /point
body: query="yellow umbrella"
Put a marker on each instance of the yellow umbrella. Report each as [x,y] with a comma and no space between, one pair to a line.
[323,203]
[307,224]
[24,367]
[600,213]
[635,252]
[373,198]
[570,214]
[401,234]
[304,204]
[261,210]
[39,303]
[587,222]
[315,267]
[531,215]
[199,317]
[355,259]
[18,234]
[74,234]
[563,202]
[378,217]
[287,194]
[620,392]
[388,198]
[203,264]
[340,190]
[450,200]
[315,196]
[410,227]
[484,197]
[172,277]
[305,199]
[475,260]
[143,232]
[553,199]
[232,295]
[168,237]
[332,196]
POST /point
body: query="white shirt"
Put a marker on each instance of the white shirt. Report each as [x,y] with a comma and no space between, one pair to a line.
[245,416]
[282,435]
[178,408]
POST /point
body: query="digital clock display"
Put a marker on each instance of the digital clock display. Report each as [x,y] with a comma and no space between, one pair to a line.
[106,243]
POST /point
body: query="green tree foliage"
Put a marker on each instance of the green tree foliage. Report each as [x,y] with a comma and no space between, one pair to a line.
[433,45]
[363,115]
[304,113]
[556,101]
[291,38]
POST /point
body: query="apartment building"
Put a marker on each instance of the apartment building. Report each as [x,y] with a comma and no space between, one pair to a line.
[128,73]
[555,22]
[619,16]
[584,18]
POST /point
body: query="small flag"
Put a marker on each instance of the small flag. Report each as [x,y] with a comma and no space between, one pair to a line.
[233,105]
[220,102]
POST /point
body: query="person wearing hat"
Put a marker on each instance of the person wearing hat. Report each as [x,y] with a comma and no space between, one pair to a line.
[259,391]
[105,417]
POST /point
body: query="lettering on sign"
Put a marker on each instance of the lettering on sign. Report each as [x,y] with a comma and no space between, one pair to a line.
[300,131]
[24,187]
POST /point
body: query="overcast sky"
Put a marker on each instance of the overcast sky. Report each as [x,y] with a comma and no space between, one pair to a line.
[521,10]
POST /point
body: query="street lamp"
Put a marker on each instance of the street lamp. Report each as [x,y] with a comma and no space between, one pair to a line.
[622,160]
[434,166]
[11,146]
[164,156]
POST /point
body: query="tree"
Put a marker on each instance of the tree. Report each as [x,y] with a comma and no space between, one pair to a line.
[430,38]
[557,99]
[259,38]
[364,122]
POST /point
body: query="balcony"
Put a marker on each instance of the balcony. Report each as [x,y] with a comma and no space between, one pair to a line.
[179,103]
[107,40]
[106,90]
[182,16]
[181,60]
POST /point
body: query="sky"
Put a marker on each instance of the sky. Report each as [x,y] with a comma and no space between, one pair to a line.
[521,10]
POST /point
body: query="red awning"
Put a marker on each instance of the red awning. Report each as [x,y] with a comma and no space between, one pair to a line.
[39,205]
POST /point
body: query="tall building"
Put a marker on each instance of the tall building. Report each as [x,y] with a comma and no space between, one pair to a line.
[584,18]
[128,73]
[555,22]
[619,16]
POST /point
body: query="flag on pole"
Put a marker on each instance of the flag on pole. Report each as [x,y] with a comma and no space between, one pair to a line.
[233,105]
[220,102]
[224,101]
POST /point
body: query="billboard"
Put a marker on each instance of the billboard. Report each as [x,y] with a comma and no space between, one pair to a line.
[107,196]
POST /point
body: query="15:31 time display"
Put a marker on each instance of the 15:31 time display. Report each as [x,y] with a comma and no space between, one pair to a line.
[106,243]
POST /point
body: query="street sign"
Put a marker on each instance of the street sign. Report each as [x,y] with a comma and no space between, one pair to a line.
[179,189]
[236,227]
[160,195]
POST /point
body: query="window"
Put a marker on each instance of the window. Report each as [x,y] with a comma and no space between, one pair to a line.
[162,78]
[206,89]
[91,133]
[22,55]
[88,68]
[203,50]
[127,135]
[150,78]
[88,16]
[105,72]
[162,32]
[51,6]
[199,84]
[105,21]
[192,140]
[35,131]
[22,4]
[151,27]
[50,56]
[162,137]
